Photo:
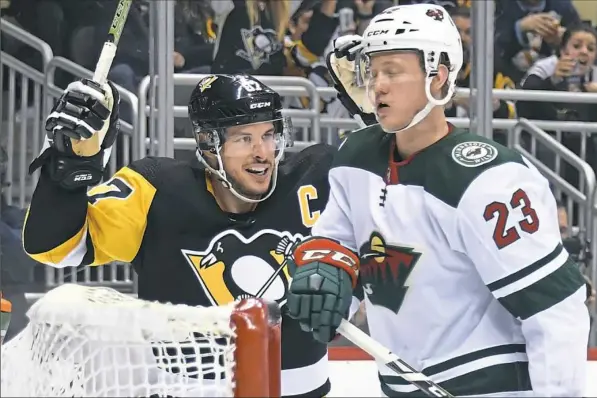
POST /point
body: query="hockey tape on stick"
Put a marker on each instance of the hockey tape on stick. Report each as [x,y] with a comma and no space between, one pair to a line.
[91,146]
[382,354]
[109,50]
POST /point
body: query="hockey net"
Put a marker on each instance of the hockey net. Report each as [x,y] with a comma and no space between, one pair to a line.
[96,342]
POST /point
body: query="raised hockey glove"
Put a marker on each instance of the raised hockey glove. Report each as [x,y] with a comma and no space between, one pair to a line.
[320,293]
[80,132]
[342,67]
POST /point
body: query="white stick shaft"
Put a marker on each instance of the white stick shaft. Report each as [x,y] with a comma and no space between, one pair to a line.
[365,342]
[391,360]
[104,63]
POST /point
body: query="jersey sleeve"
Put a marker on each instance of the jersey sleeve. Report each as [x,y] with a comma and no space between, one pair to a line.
[334,222]
[507,225]
[105,224]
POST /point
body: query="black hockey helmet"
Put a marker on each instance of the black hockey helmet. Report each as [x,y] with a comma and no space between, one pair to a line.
[231,100]
[222,101]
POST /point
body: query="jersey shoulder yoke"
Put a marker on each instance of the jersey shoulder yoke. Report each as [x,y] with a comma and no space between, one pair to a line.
[310,166]
[366,149]
[162,172]
[459,159]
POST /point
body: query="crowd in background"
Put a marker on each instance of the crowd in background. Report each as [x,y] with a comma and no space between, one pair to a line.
[539,45]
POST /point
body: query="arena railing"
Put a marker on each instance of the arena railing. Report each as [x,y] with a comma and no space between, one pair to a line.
[583,197]
[22,101]
[286,86]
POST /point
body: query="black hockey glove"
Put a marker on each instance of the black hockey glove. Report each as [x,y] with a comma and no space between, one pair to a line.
[80,132]
[320,293]
[342,67]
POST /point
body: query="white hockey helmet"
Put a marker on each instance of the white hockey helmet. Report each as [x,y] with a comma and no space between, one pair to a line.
[424,28]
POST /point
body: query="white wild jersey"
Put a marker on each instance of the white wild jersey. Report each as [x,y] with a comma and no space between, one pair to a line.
[462,266]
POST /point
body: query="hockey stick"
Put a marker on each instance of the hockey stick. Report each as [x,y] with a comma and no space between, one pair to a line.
[382,354]
[106,57]
[90,147]
[283,247]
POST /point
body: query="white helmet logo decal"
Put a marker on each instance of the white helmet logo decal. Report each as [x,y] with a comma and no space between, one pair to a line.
[436,14]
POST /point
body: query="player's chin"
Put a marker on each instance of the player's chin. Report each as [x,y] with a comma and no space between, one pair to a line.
[257,184]
[391,124]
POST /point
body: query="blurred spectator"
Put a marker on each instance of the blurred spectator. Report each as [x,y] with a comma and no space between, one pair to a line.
[17,266]
[571,69]
[361,12]
[193,45]
[195,35]
[251,38]
[527,30]
[311,28]
[575,248]
[44,19]
[570,241]
[459,107]
[563,221]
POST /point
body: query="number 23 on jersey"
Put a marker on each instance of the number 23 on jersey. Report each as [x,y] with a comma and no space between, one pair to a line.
[529,223]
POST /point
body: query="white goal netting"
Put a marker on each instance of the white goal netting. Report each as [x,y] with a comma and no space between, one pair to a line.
[96,342]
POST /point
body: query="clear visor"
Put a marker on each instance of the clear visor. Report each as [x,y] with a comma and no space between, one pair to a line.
[370,79]
[364,78]
[265,139]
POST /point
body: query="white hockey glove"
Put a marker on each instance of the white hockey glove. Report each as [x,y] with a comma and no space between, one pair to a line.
[80,132]
[341,65]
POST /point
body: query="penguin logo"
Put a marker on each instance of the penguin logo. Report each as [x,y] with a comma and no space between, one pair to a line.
[259,45]
[206,82]
[234,267]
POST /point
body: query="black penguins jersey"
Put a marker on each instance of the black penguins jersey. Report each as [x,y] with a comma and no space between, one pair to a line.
[160,215]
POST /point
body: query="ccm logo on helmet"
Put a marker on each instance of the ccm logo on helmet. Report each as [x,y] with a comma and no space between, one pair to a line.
[259,105]
[378,32]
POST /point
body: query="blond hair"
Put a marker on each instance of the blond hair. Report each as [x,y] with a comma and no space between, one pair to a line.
[278,12]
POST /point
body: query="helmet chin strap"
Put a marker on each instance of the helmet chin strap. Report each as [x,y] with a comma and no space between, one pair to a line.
[432,102]
[221,174]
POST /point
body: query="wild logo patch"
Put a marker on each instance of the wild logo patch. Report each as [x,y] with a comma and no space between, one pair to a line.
[233,267]
[474,153]
[436,14]
[385,270]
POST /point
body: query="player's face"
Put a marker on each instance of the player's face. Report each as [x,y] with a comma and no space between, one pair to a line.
[396,87]
[248,155]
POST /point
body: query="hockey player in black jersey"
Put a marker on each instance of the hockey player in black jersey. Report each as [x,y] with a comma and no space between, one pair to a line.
[204,234]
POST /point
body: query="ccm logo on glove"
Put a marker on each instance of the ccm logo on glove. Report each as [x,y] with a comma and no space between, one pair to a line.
[329,252]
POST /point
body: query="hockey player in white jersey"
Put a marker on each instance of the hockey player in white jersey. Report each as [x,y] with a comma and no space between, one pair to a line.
[453,238]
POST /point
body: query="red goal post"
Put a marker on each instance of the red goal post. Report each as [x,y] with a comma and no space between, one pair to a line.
[258,353]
